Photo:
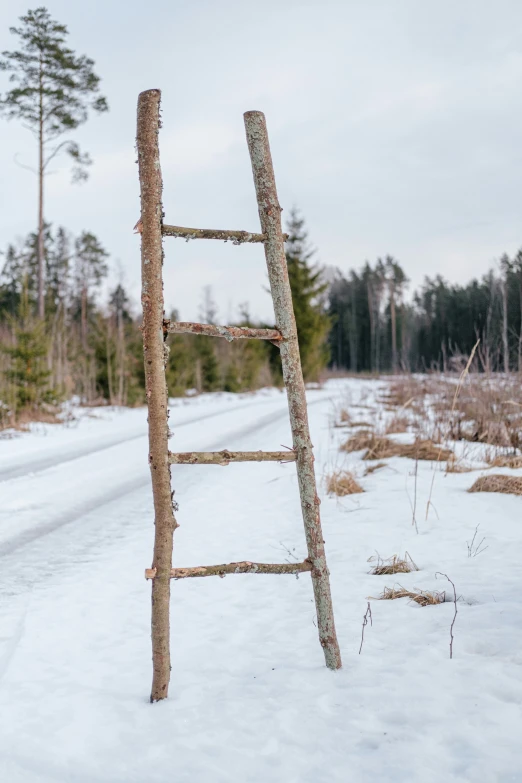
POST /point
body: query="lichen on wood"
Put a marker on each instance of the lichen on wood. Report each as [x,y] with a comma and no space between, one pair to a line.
[236,237]
[229,333]
[243,567]
[226,457]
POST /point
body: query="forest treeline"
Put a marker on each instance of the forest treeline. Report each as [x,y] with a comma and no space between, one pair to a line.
[376,328]
[91,350]
[362,321]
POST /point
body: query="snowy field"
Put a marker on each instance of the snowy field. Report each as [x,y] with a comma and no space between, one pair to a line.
[251,700]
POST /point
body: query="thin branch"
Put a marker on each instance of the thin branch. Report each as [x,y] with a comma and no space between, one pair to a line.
[455,604]
[56,151]
[367,616]
[23,165]
[473,550]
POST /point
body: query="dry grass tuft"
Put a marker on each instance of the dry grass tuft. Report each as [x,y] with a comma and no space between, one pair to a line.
[513,461]
[509,485]
[421,597]
[378,447]
[359,441]
[392,565]
[397,424]
[343,419]
[423,450]
[453,465]
[372,468]
[342,483]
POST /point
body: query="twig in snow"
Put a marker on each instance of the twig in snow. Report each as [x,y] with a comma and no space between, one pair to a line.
[474,549]
[414,518]
[367,616]
[455,604]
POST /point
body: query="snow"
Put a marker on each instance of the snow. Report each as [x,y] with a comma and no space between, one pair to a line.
[250,698]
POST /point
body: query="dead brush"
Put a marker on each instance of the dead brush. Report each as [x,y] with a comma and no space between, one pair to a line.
[379,447]
[455,465]
[402,392]
[423,450]
[392,565]
[497,482]
[420,597]
[419,450]
[397,424]
[373,468]
[342,483]
[343,419]
[358,441]
[513,461]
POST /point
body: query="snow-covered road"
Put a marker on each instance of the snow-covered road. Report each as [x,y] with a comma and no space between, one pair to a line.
[250,697]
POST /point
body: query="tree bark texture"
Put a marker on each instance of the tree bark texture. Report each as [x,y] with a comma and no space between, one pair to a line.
[228,332]
[505,343]
[393,328]
[236,237]
[226,457]
[156,388]
[244,567]
[270,217]
[40,241]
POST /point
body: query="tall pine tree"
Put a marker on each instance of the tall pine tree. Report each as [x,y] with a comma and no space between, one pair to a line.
[308,289]
[53,90]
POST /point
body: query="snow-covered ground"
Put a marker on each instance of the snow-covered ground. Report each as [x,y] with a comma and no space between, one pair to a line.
[250,698]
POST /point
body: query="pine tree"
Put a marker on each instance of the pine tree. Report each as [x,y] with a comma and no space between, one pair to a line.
[28,371]
[308,289]
[90,270]
[52,94]
[397,281]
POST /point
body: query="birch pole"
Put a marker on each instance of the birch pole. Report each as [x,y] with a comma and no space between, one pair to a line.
[270,217]
[155,383]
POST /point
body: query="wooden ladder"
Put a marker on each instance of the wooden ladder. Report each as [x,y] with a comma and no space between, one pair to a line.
[155,331]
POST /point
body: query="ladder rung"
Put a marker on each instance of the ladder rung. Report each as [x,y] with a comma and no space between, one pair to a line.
[237,237]
[225,457]
[228,332]
[244,567]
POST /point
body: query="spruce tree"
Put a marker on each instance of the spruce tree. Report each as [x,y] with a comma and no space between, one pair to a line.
[308,288]
[28,372]
[90,270]
[53,90]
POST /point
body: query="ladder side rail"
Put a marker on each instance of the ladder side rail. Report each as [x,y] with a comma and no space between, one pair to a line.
[148,124]
[270,217]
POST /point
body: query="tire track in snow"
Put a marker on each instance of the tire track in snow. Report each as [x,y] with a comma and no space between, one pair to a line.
[24,467]
[133,485]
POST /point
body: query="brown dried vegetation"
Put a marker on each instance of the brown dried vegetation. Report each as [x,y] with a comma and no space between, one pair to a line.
[397,424]
[392,565]
[497,482]
[373,468]
[420,597]
[342,483]
[378,447]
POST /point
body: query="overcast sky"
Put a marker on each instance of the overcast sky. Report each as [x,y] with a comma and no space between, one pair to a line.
[395,126]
